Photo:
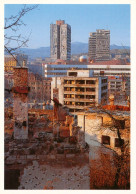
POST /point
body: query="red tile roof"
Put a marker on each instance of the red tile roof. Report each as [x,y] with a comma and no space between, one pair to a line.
[111,62]
[117,107]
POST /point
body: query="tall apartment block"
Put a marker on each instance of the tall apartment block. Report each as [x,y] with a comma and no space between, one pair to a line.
[99,45]
[60,41]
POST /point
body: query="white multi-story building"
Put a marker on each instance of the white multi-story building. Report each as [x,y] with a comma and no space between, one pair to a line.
[60,70]
[79,90]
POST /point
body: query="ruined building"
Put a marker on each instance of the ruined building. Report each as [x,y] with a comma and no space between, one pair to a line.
[20,107]
[100,125]
[80,90]
[46,149]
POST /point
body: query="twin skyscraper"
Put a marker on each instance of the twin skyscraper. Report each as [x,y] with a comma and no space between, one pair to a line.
[60,43]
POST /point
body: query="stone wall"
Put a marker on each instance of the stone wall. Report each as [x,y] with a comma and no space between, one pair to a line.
[20,106]
[100,125]
[53,176]
[58,171]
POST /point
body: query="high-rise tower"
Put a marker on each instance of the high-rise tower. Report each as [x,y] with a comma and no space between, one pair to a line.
[99,45]
[60,40]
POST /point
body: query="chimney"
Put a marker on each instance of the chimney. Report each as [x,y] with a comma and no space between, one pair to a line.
[20,105]
[111,99]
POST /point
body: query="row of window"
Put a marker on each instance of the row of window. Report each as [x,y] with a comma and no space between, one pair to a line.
[79,82]
[106,69]
[79,89]
[106,140]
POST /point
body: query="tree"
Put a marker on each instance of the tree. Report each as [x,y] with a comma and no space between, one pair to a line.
[12,24]
[119,174]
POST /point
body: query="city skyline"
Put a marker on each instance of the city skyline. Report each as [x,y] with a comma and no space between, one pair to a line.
[83,19]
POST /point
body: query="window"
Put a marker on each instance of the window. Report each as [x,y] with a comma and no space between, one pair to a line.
[105,140]
[102,73]
[121,124]
[118,143]
[73,74]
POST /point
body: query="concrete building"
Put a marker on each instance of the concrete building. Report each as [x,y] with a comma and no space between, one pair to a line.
[36,68]
[115,68]
[40,88]
[101,131]
[99,45]
[119,86]
[60,40]
[60,70]
[18,60]
[79,90]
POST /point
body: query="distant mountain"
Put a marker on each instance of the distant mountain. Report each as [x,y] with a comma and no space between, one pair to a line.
[76,48]
[114,46]
[79,47]
[41,52]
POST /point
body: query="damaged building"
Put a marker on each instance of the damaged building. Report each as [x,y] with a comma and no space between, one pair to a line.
[80,90]
[46,149]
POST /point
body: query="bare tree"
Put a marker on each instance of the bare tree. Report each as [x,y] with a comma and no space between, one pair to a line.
[121,161]
[12,25]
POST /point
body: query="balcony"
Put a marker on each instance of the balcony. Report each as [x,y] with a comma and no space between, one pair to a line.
[79,100]
[76,92]
[79,85]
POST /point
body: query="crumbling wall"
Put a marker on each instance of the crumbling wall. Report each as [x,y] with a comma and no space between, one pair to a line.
[97,126]
[20,106]
[65,175]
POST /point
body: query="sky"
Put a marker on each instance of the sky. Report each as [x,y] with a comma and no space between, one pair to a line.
[83,18]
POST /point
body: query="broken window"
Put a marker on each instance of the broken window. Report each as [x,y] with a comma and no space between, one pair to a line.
[90,97]
[73,74]
[80,82]
[90,89]
[80,96]
[105,140]
[90,81]
[79,89]
[119,143]
[24,123]
[102,73]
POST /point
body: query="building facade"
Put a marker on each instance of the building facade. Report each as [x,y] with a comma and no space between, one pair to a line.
[99,45]
[119,86]
[60,70]
[18,60]
[60,40]
[100,129]
[40,88]
[79,90]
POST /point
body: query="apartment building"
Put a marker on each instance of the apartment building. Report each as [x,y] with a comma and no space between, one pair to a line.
[99,45]
[60,40]
[120,87]
[13,61]
[79,90]
[40,88]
